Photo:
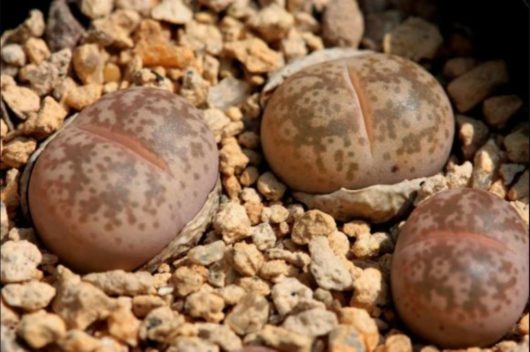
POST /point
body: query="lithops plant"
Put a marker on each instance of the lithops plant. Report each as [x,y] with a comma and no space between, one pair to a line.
[357,122]
[460,269]
[131,180]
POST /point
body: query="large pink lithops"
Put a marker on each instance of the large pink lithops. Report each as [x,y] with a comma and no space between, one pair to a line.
[460,269]
[120,182]
[356,122]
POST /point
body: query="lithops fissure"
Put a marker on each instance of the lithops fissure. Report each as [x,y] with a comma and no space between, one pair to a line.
[118,184]
[356,122]
[460,269]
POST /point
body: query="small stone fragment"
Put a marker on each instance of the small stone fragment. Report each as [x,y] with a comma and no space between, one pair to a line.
[19,261]
[17,151]
[369,245]
[4,221]
[21,100]
[272,22]
[232,294]
[88,63]
[143,304]
[48,120]
[486,162]
[29,296]
[284,339]
[122,324]
[288,293]
[255,55]
[520,189]
[271,187]
[509,171]
[459,176]
[188,279]
[343,23]
[498,110]
[361,321]
[232,222]
[36,50]
[207,254]
[13,54]
[314,322]
[41,328]
[79,303]
[516,144]
[160,325]
[472,134]
[206,305]
[216,121]
[202,37]
[121,283]
[216,5]
[474,86]
[327,269]
[293,45]
[96,8]
[192,344]
[172,11]
[80,97]
[275,270]
[370,290]
[220,335]
[229,92]
[345,338]
[398,343]
[247,258]
[312,224]
[10,192]
[263,236]
[114,30]
[249,315]
[79,341]
[62,30]
[457,66]
[414,39]
[232,160]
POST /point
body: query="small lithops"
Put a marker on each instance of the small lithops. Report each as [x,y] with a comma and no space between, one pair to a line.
[129,179]
[356,122]
[460,269]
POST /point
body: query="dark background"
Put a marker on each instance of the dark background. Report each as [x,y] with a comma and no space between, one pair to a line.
[501,29]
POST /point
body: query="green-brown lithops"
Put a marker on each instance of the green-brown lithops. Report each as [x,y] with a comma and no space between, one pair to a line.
[356,122]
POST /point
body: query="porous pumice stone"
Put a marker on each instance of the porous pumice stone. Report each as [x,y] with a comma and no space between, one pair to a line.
[355,122]
[460,269]
[119,183]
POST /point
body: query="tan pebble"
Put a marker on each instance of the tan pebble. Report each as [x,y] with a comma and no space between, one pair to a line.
[17,151]
[286,340]
[228,92]
[233,128]
[249,315]
[48,120]
[206,305]
[299,259]
[344,338]
[122,323]
[486,162]
[13,54]
[508,171]
[339,243]
[254,285]
[111,72]
[370,290]
[520,189]
[458,176]
[255,55]
[143,304]
[272,22]
[160,325]
[21,100]
[21,234]
[370,245]
[516,144]
[88,63]
[201,37]
[263,236]
[327,269]
[4,221]
[249,139]
[216,121]
[250,195]
[414,39]
[45,76]
[216,5]
[247,258]
[231,186]
[78,341]
[220,335]
[41,328]
[221,273]
[343,23]
[398,343]
[163,53]
[172,11]
[498,110]
[498,188]
[361,321]
[293,45]
[81,96]
[288,293]
[232,294]
[231,158]
[312,224]
[523,325]
[232,222]
[79,303]
[271,187]
[96,8]
[249,176]
[19,261]
[188,280]
[472,134]
[29,296]
[314,322]
[141,6]
[114,30]
[355,228]
[10,194]
[192,344]
[207,254]
[3,129]
[474,86]
[119,282]
[428,188]
[276,270]
[457,66]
